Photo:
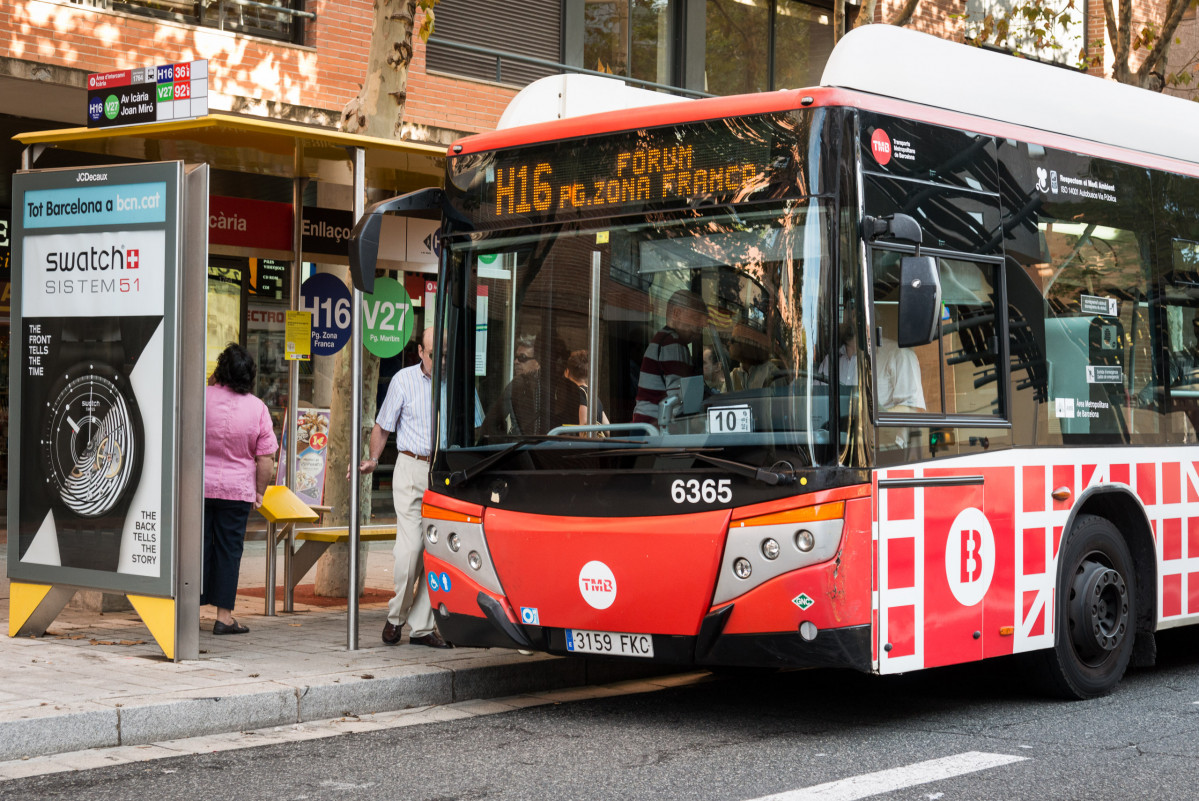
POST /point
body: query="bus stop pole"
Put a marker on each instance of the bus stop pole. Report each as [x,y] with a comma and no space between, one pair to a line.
[358,157]
[293,366]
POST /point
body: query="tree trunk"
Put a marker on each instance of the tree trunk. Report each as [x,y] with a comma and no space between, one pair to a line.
[378,111]
[379,108]
[332,570]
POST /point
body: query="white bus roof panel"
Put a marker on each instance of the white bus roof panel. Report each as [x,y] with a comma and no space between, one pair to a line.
[895,62]
[556,97]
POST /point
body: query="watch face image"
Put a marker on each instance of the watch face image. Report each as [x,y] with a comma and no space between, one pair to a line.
[91,440]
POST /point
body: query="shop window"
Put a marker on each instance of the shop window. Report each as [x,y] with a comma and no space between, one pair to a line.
[270,19]
[224,310]
[760,45]
[632,38]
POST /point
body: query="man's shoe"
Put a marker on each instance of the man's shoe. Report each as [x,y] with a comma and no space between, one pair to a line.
[432,639]
[223,628]
[391,634]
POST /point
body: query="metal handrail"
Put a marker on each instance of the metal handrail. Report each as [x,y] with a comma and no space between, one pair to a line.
[198,17]
[500,55]
[291,12]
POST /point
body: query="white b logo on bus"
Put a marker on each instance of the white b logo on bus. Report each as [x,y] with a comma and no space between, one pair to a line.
[597,585]
[970,556]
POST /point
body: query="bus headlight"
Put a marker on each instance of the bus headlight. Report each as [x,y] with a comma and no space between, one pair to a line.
[475,560]
[767,546]
[431,534]
[804,540]
[454,541]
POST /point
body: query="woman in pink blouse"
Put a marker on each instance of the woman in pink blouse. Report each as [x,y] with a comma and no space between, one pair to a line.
[239,449]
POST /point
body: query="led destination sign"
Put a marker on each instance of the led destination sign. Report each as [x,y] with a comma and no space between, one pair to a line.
[718,161]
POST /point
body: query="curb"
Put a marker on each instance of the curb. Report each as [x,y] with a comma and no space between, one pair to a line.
[156,718]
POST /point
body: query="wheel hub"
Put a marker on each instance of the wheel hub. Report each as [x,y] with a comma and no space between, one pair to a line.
[1098,610]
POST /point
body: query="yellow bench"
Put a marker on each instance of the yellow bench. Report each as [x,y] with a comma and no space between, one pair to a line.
[314,542]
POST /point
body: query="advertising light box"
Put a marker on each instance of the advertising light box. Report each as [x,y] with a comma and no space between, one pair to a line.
[94,337]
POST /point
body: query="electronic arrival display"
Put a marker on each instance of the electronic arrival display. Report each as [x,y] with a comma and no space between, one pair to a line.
[712,162]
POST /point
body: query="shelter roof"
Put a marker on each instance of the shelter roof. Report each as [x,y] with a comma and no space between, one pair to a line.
[258,146]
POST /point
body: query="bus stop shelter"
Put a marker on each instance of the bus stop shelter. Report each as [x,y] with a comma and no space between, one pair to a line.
[349,168]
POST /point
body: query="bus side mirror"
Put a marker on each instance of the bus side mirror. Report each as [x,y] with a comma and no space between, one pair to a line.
[364,240]
[919,301]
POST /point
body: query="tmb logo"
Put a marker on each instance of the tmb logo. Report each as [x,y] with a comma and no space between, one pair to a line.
[597,585]
[970,557]
[880,146]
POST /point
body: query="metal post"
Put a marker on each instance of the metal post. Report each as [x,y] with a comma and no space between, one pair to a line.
[593,339]
[359,165]
[293,368]
[270,570]
[189,426]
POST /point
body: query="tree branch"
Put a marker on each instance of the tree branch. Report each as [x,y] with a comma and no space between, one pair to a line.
[1156,60]
[904,14]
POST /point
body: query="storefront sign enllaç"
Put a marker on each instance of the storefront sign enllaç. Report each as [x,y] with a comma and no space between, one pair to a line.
[267,225]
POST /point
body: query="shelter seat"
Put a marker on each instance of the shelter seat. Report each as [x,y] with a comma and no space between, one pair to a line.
[332,534]
[315,541]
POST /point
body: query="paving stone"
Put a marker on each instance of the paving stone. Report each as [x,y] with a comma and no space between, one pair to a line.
[80,688]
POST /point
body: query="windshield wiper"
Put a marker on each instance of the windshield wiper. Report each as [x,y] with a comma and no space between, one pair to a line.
[459,477]
[771,477]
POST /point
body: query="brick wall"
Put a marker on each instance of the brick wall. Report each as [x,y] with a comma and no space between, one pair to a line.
[324,75]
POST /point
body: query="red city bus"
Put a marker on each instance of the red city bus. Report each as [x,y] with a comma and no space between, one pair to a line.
[897,372]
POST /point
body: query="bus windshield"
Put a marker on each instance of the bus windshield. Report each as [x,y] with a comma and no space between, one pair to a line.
[697,331]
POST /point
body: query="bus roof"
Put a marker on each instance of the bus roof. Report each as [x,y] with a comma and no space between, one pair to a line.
[971,84]
[894,62]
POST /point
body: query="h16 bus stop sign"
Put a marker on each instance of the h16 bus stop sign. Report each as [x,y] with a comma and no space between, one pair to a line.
[328,299]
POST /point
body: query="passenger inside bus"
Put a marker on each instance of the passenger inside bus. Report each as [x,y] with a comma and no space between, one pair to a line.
[897,378]
[536,401]
[756,368]
[671,356]
[713,373]
[578,368]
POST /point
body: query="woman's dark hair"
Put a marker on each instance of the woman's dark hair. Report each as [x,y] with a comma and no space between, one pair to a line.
[235,369]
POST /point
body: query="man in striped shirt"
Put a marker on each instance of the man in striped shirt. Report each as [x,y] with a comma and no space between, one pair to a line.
[408,411]
[670,358]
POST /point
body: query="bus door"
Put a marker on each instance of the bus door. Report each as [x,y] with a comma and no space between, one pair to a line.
[943,524]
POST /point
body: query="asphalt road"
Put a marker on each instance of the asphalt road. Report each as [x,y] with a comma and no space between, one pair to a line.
[978,733]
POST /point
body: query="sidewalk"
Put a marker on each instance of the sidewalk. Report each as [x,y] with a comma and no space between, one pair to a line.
[98,680]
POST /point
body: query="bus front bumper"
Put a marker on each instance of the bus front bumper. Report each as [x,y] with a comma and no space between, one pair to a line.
[847,647]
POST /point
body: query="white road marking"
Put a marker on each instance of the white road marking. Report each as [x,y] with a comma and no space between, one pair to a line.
[888,781]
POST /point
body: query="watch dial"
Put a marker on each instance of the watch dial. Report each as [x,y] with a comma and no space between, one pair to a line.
[91,441]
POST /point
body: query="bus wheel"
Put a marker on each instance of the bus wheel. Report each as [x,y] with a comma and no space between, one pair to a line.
[1096,612]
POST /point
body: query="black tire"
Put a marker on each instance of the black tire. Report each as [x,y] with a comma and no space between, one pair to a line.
[1095,619]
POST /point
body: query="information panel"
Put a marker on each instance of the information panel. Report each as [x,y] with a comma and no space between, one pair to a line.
[147,94]
[716,161]
[94,333]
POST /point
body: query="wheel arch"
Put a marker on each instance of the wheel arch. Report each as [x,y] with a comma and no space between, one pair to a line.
[1124,510]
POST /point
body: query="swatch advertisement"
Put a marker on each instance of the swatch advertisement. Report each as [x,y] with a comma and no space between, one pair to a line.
[93,331]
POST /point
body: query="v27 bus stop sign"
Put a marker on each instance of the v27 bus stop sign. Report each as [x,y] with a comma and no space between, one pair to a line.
[386,318]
